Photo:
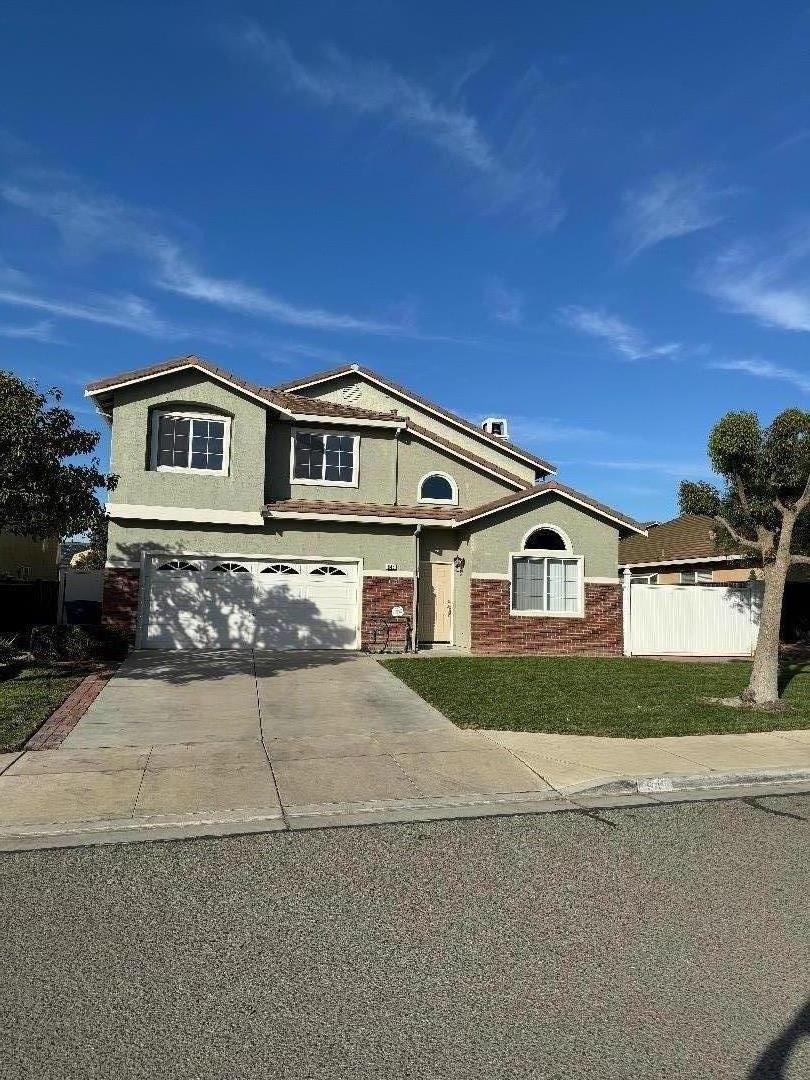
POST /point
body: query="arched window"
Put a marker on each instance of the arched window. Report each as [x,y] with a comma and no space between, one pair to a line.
[438,488]
[280,568]
[178,566]
[229,568]
[544,582]
[546,539]
[328,571]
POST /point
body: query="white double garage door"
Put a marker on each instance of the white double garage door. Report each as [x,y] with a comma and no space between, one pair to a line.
[233,603]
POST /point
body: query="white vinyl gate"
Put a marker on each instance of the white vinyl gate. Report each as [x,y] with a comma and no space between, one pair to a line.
[195,602]
[691,620]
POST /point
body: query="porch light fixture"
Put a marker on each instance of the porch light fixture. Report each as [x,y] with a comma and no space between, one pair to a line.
[458,563]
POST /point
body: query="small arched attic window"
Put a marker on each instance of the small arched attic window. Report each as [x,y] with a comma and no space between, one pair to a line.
[438,488]
[546,538]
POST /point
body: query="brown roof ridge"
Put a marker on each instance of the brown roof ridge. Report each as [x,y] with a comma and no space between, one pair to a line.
[347,369]
[325,506]
[552,486]
[467,454]
[273,396]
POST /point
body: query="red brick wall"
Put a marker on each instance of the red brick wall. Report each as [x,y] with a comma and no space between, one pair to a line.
[380,594]
[119,602]
[494,630]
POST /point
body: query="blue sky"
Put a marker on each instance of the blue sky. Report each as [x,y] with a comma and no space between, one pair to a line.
[590,218]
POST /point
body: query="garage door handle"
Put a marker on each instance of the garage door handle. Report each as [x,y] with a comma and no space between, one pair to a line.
[448,609]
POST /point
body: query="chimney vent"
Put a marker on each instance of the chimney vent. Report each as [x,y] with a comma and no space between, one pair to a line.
[496,425]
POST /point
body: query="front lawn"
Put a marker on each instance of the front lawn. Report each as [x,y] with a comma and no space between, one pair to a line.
[630,698]
[28,698]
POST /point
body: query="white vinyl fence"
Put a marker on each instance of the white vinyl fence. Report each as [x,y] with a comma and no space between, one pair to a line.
[691,620]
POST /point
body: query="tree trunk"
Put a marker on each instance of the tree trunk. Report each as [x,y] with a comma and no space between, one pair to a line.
[763,686]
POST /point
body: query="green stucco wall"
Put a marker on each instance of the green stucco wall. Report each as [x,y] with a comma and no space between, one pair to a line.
[38,555]
[369,396]
[493,538]
[417,458]
[377,546]
[241,489]
[376,472]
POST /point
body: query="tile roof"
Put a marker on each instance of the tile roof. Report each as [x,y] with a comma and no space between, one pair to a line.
[551,487]
[454,514]
[357,369]
[317,506]
[690,536]
[467,454]
[280,398]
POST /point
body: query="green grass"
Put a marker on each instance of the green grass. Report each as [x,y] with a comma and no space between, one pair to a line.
[28,698]
[629,698]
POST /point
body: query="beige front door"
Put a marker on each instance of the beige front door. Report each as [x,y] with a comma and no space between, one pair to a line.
[435,603]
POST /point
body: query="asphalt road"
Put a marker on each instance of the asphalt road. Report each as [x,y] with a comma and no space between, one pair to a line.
[651,942]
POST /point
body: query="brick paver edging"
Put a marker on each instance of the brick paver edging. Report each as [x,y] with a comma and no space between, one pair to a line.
[61,722]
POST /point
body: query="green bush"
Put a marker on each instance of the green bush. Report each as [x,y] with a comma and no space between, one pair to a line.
[65,642]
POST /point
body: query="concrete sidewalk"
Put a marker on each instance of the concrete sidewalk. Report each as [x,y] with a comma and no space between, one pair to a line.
[176,746]
[112,794]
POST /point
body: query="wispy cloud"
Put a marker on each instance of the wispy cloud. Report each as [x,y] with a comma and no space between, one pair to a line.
[764,369]
[684,469]
[93,224]
[366,88]
[41,331]
[504,304]
[669,205]
[625,340]
[774,289]
[124,312]
[538,430]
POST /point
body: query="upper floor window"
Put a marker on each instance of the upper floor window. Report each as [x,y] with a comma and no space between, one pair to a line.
[190,442]
[324,457]
[438,488]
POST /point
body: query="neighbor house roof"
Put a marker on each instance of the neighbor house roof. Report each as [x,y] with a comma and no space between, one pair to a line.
[511,448]
[448,516]
[688,538]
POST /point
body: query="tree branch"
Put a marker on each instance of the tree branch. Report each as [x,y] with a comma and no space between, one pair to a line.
[805,497]
[743,541]
[800,560]
[741,493]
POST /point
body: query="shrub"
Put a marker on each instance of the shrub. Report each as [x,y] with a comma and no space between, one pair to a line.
[66,642]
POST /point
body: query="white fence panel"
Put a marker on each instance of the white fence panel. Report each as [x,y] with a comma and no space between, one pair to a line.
[692,620]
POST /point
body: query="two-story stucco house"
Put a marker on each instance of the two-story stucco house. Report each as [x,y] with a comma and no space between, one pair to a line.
[299,516]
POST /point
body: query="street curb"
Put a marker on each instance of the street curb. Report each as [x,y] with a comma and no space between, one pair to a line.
[615,795]
[666,783]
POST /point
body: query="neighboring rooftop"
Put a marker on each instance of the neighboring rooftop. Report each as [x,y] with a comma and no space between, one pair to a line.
[688,537]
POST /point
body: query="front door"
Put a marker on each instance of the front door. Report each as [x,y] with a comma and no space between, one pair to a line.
[435,604]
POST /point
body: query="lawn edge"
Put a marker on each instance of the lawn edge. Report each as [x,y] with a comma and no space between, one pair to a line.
[54,729]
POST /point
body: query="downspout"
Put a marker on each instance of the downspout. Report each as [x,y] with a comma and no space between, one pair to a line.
[415,612]
[397,434]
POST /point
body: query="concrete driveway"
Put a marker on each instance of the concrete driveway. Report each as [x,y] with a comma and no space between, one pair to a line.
[271,735]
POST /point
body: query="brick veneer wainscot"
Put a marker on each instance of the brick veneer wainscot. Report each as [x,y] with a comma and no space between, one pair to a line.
[119,602]
[494,630]
[380,594]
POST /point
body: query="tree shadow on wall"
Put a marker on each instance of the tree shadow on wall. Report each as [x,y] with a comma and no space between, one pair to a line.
[194,612]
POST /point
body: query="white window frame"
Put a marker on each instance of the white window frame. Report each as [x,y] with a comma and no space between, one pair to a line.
[566,539]
[452,501]
[323,482]
[695,579]
[538,554]
[188,414]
